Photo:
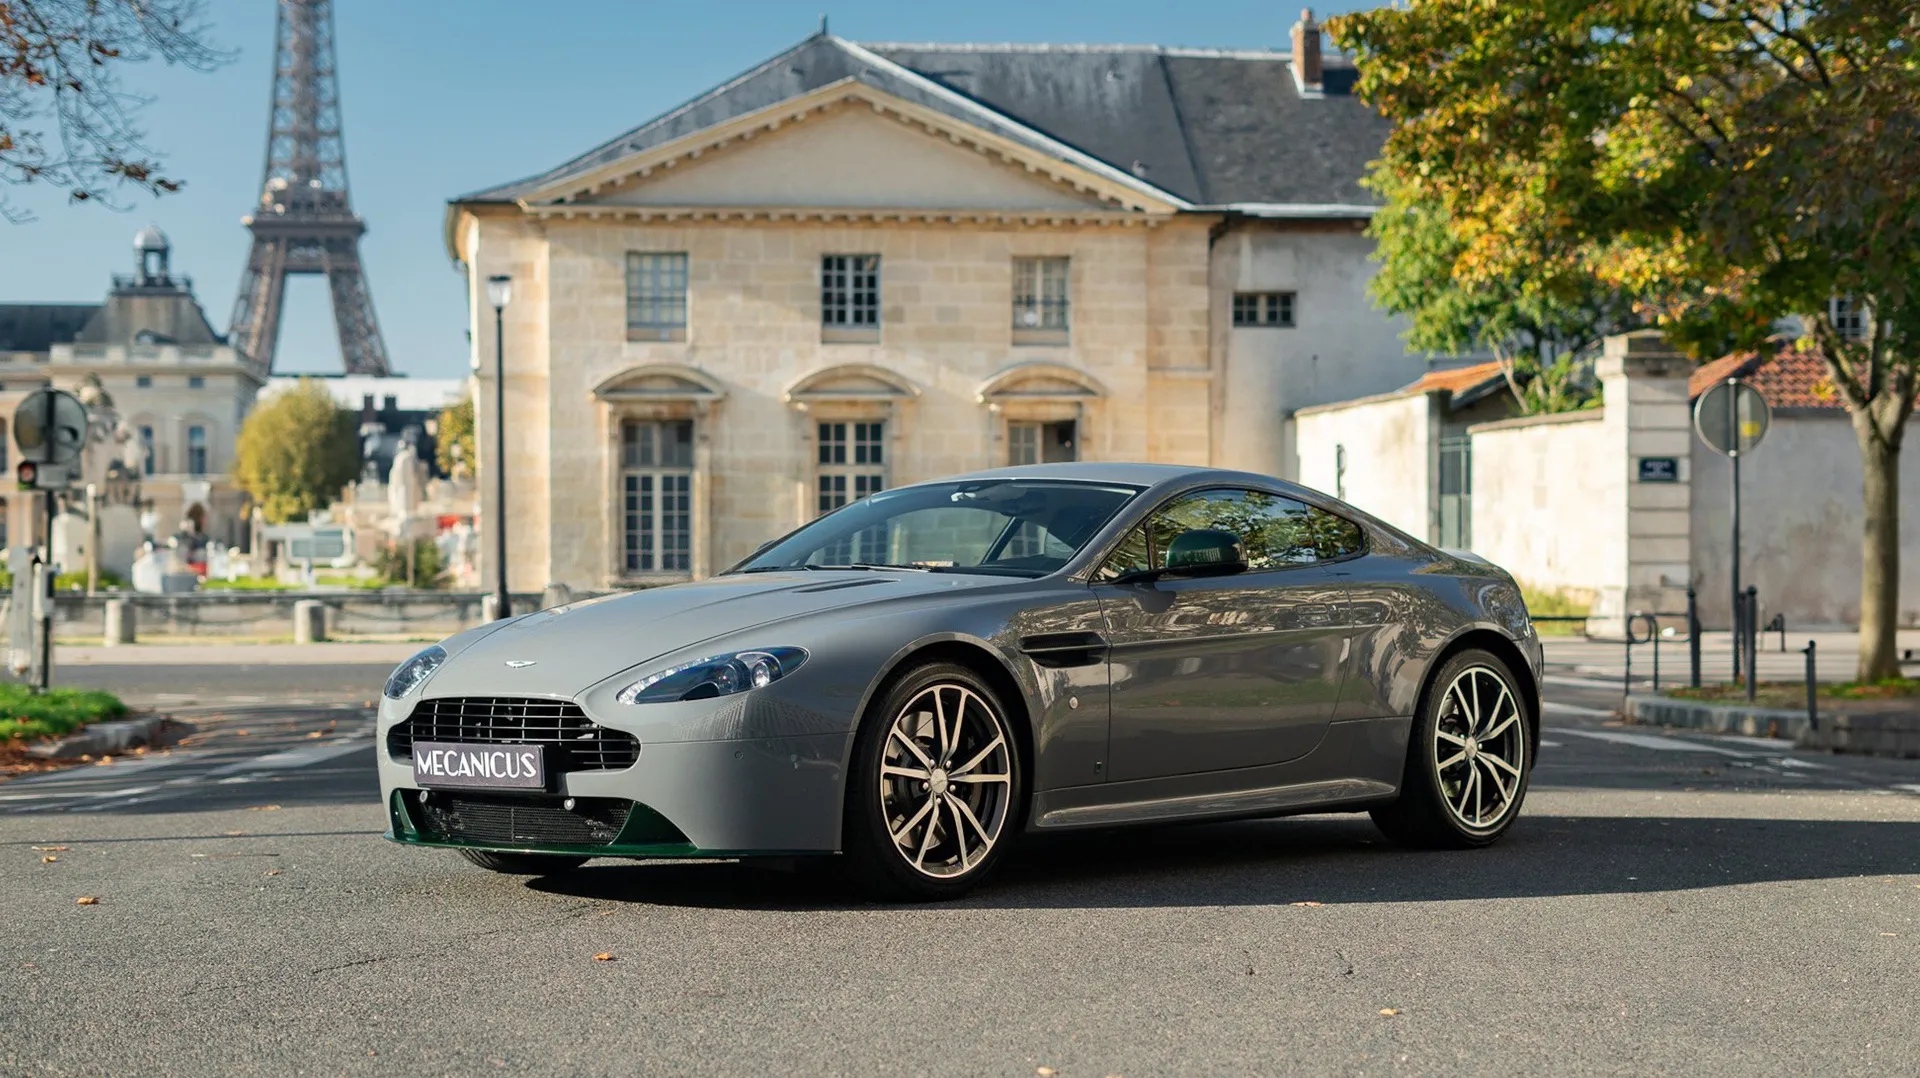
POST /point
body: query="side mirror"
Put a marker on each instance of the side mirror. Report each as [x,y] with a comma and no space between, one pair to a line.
[1206,552]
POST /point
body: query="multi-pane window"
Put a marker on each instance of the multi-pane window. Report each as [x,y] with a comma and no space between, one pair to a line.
[1041,443]
[1263,309]
[1039,300]
[849,296]
[852,465]
[656,296]
[143,381]
[146,450]
[1849,318]
[196,382]
[196,450]
[656,495]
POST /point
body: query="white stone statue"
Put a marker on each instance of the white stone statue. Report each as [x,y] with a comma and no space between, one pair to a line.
[406,481]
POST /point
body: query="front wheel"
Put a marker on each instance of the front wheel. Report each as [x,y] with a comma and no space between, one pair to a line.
[935,788]
[1469,758]
[524,864]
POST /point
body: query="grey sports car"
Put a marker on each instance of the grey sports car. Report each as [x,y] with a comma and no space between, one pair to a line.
[915,679]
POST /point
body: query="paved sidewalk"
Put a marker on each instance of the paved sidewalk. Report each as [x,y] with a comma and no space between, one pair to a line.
[1837,654]
[217,652]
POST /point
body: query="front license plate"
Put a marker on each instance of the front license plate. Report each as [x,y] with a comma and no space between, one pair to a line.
[512,767]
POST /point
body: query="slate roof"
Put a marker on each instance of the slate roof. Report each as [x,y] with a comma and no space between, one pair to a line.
[1786,377]
[1208,127]
[37,327]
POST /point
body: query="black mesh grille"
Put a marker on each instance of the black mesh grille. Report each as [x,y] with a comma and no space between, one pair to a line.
[582,744]
[503,820]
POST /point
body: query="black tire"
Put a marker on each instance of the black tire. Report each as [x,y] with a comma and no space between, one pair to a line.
[524,864]
[875,863]
[1427,814]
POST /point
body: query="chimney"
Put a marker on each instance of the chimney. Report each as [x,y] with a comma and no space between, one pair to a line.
[1306,52]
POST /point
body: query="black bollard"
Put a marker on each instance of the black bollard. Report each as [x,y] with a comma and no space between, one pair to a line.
[1813,711]
[1693,640]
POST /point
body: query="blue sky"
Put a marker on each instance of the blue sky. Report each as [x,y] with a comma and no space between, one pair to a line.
[441,97]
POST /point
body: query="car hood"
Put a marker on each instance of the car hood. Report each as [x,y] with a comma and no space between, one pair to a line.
[564,650]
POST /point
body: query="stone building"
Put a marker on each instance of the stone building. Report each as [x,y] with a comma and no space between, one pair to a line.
[858,266]
[179,389]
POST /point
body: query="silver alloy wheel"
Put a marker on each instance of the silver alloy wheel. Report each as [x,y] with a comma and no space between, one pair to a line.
[946,779]
[1479,748]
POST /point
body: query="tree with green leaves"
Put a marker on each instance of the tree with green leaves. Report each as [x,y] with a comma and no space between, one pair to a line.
[1542,328]
[296,452]
[65,120]
[1734,166]
[453,439]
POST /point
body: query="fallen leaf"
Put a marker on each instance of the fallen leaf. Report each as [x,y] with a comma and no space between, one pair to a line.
[64,849]
[103,760]
[264,808]
[86,900]
[241,733]
[1045,1072]
[603,956]
[1314,905]
[271,872]
[1883,933]
[1389,1011]
[233,834]
[317,733]
[48,859]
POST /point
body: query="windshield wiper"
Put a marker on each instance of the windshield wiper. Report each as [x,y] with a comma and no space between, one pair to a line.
[876,567]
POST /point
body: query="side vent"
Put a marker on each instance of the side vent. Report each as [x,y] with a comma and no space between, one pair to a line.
[1055,650]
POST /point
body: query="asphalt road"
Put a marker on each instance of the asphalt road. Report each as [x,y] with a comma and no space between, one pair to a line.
[1667,905]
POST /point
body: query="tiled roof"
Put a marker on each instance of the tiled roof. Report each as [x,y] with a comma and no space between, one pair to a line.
[1787,378]
[1207,127]
[1456,379]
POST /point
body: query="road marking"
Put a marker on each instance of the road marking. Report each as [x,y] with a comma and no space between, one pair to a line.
[1574,709]
[1908,787]
[1545,744]
[311,754]
[1582,682]
[1661,744]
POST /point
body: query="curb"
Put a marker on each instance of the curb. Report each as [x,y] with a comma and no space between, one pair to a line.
[103,738]
[1894,735]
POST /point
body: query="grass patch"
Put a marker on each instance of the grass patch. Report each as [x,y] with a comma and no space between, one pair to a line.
[245,583]
[26,715]
[1552,603]
[1793,694]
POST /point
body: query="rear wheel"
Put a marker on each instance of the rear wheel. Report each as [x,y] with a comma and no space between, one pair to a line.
[524,864]
[1469,758]
[935,788]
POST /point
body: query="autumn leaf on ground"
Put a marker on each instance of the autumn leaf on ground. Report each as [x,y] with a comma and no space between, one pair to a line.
[1313,905]
[271,872]
[263,808]
[51,849]
[86,900]
[103,760]
[1045,1072]
[603,956]
[316,733]
[233,834]
[48,859]
[1389,1011]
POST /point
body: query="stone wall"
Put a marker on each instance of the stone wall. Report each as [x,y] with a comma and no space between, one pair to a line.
[270,614]
[1800,525]
[1536,488]
[1380,454]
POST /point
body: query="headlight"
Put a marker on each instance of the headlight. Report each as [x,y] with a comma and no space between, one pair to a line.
[408,675]
[718,675]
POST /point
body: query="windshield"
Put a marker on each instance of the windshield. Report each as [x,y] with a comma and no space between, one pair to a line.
[1011,527]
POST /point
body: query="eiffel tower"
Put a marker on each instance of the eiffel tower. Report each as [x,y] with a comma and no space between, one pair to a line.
[305,223]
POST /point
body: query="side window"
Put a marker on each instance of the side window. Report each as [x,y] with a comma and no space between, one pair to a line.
[1276,532]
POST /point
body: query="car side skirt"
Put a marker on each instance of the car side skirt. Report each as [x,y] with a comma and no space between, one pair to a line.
[1359,763]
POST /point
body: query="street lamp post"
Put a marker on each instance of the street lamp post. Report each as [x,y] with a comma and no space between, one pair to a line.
[499,291]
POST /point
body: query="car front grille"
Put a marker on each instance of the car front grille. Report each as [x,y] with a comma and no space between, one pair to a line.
[583,744]
[503,820]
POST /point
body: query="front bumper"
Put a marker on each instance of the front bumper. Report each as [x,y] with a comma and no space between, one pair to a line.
[721,798]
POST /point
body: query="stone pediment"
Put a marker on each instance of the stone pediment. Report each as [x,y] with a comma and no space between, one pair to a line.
[661,382]
[847,146]
[1039,381]
[851,382]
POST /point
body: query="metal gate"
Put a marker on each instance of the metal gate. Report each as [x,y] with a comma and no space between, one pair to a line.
[1456,491]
